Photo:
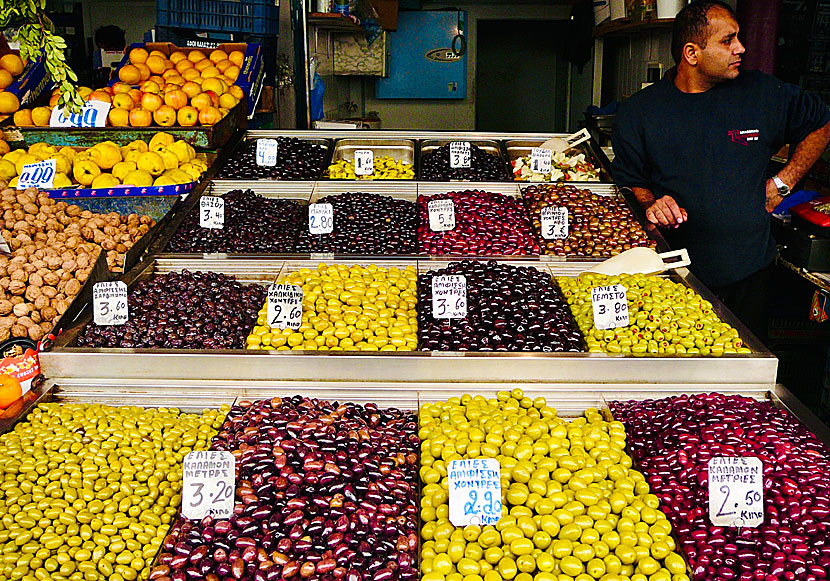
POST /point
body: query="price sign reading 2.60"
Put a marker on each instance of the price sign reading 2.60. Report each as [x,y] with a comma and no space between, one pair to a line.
[475,491]
[284,309]
[208,484]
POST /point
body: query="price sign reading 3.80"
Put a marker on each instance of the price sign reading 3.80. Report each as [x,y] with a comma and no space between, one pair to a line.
[610,305]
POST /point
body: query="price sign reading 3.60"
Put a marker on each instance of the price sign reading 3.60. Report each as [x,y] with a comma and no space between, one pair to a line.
[109,303]
[208,484]
[449,296]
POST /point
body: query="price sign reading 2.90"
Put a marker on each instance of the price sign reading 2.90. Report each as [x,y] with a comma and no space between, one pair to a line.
[475,491]
[208,484]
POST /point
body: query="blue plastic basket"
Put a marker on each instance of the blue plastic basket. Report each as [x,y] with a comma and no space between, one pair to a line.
[243,16]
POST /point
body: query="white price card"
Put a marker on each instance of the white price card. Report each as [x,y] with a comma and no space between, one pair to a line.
[212,212]
[208,484]
[461,155]
[554,222]
[364,162]
[449,296]
[37,175]
[475,491]
[93,114]
[266,152]
[284,309]
[736,491]
[541,160]
[320,218]
[441,215]
[109,303]
[610,306]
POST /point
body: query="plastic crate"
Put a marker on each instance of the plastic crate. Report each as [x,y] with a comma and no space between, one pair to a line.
[246,16]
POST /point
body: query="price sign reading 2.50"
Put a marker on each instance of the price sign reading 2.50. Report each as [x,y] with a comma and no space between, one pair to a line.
[475,491]
[208,484]
[736,491]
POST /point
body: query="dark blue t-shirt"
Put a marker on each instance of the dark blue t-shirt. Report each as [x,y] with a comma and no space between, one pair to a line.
[710,151]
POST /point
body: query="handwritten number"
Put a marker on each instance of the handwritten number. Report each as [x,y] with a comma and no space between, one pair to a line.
[198,494]
[470,507]
[724,490]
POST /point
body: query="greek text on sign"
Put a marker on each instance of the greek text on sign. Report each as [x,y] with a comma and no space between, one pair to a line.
[320,218]
[475,491]
[541,160]
[610,306]
[441,215]
[93,114]
[736,492]
[364,162]
[461,155]
[37,175]
[208,484]
[449,296]
[266,152]
[554,222]
[212,212]
[284,309]
[109,303]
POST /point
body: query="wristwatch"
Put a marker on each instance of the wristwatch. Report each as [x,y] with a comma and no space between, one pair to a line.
[783,189]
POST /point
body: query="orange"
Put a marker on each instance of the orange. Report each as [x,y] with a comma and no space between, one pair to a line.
[23,118]
[203,64]
[218,55]
[191,75]
[236,91]
[176,56]
[232,72]
[9,103]
[4,147]
[195,56]
[237,57]
[222,65]
[6,78]
[158,53]
[210,72]
[11,63]
[138,56]
[10,390]
[119,117]
[183,65]
[144,70]
[156,64]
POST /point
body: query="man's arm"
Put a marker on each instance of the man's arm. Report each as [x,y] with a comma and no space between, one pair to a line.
[663,211]
[806,154]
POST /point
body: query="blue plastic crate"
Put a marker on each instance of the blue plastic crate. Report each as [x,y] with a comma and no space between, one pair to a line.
[244,16]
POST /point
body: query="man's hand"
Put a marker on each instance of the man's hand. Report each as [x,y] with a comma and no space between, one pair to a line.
[773,197]
[665,212]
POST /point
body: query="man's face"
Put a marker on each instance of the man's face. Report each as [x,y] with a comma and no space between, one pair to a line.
[720,60]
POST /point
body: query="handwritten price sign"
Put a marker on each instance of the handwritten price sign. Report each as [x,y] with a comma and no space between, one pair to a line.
[475,492]
[208,484]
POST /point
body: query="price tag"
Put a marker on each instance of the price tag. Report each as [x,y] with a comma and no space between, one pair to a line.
[541,160]
[212,212]
[285,306]
[441,215]
[610,306]
[266,152]
[736,492]
[578,138]
[320,218]
[554,222]
[93,114]
[364,162]
[109,303]
[449,297]
[208,484]
[37,175]
[461,155]
[475,491]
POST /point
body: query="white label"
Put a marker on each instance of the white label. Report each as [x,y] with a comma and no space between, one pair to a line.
[449,296]
[320,218]
[736,492]
[554,222]
[37,175]
[475,491]
[540,160]
[461,155]
[109,303]
[93,114]
[285,306]
[578,138]
[441,215]
[266,152]
[208,484]
[364,162]
[211,212]
[610,306]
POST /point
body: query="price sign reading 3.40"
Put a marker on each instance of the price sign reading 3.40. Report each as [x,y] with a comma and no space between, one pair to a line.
[610,306]
[37,175]
[554,222]
[266,152]
[208,484]
[285,306]
[449,296]
[441,215]
[364,162]
[736,491]
[461,155]
[109,303]
[212,212]
[475,491]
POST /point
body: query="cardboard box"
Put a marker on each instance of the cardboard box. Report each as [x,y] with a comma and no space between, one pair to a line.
[387,13]
[32,82]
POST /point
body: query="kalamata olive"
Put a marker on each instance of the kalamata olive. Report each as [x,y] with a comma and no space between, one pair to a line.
[297,159]
[484,166]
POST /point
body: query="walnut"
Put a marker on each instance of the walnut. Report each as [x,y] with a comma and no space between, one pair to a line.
[121,248]
[33,293]
[20,331]
[72,288]
[54,262]
[20,275]
[5,307]
[17,287]
[61,206]
[51,278]
[5,333]
[61,306]
[30,208]
[48,291]
[41,303]
[48,313]
[69,265]
[35,316]
[21,310]
[108,244]
[82,260]
[74,210]
[63,218]
[16,299]
[36,333]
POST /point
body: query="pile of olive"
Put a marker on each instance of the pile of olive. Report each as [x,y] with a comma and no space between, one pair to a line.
[485,167]
[297,159]
[385,167]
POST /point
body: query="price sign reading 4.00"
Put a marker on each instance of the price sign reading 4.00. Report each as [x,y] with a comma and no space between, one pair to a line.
[449,296]
[208,484]
[266,152]
[285,306]
[109,303]
[475,491]
[554,222]
[610,306]
[736,491]
[212,212]
[461,154]
[320,218]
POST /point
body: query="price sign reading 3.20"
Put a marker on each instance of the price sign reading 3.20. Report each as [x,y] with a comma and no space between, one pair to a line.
[208,484]
[461,155]
[449,296]
[610,305]
[475,491]
[736,491]
[284,309]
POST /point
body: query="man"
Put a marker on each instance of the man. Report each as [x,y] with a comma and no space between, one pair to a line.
[695,146]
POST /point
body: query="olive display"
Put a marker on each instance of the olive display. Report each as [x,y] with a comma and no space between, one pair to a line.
[89,491]
[484,167]
[186,310]
[665,317]
[385,168]
[297,159]
[509,308]
[365,224]
[572,506]
[598,226]
[253,224]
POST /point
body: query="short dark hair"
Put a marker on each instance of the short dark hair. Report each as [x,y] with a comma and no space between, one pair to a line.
[691,23]
[110,37]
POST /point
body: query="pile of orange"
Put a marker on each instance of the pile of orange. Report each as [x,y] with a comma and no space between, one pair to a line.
[11,66]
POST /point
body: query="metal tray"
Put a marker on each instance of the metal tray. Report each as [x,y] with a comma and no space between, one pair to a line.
[491,146]
[399,149]
[238,146]
[517,148]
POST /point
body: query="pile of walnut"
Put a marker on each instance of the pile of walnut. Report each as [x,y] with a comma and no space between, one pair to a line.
[54,247]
